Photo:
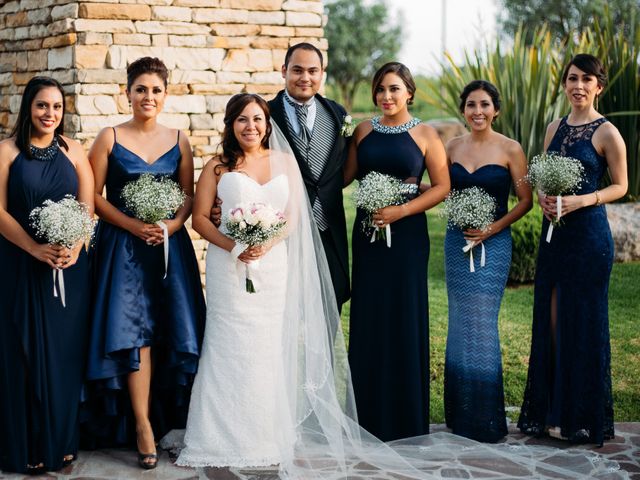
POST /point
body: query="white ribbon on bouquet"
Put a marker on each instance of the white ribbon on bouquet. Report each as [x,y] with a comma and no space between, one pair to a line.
[469,248]
[59,275]
[249,271]
[558,215]
[387,230]
[165,235]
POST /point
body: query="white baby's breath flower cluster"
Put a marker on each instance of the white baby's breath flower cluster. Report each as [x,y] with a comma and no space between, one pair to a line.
[151,198]
[378,190]
[554,174]
[254,223]
[65,222]
[469,208]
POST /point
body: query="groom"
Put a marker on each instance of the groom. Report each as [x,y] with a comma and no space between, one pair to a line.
[312,125]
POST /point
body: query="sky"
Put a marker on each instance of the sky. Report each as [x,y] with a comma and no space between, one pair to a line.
[469,24]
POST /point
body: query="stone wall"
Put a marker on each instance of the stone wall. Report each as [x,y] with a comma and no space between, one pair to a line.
[213,48]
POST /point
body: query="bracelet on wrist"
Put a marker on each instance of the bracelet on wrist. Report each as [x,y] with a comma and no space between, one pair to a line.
[598,200]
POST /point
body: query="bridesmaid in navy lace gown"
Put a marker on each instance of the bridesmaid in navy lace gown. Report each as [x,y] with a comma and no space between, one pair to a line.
[473,394]
[568,391]
[42,342]
[389,326]
[142,322]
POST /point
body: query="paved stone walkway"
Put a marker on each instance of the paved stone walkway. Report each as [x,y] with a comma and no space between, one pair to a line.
[121,464]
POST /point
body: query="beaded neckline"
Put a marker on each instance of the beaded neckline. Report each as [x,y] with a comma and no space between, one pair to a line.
[405,127]
[45,153]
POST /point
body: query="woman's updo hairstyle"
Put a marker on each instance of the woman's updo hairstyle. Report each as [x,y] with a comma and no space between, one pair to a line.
[488,87]
[147,65]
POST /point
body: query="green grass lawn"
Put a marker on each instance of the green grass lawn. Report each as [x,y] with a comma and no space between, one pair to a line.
[515,330]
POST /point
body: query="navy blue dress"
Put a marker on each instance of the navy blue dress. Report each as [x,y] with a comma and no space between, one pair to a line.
[135,307]
[42,344]
[389,326]
[571,387]
[473,391]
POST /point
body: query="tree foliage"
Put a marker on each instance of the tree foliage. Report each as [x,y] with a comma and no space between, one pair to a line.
[562,18]
[361,38]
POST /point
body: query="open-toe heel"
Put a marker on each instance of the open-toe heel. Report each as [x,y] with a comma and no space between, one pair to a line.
[148,461]
[68,460]
[35,469]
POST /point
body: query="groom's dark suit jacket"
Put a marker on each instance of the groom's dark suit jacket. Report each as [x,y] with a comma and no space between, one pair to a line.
[329,190]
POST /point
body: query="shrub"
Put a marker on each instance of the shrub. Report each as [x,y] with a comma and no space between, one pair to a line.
[525,234]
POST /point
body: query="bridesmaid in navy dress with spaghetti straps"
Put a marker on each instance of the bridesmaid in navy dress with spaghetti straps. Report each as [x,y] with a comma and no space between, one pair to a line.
[389,325]
[568,391]
[473,391]
[43,343]
[142,322]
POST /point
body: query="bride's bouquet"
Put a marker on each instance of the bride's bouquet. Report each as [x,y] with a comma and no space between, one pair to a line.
[555,175]
[470,208]
[152,199]
[253,224]
[65,223]
[378,190]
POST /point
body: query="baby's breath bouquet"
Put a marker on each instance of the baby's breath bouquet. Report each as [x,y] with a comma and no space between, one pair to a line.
[252,224]
[470,208]
[66,223]
[555,175]
[378,190]
[153,199]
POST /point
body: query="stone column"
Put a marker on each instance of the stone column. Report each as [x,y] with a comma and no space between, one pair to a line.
[213,49]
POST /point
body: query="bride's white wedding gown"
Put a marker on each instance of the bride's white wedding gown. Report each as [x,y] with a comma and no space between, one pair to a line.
[239,414]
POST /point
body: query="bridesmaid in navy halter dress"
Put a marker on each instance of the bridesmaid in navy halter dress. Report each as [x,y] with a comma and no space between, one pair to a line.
[473,394]
[568,391]
[43,343]
[389,326]
[142,322]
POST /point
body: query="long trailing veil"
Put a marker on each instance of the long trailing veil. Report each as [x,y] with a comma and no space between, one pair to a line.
[326,441]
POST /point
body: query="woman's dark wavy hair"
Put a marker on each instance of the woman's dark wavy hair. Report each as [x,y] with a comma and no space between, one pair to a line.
[231,151]
[399,69]
[147,65]
[22,129]
[588,64]
[474,85]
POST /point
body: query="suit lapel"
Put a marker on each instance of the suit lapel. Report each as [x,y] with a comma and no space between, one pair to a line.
[332,164]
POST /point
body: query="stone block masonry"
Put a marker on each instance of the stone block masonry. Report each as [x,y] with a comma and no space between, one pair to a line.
[213,49]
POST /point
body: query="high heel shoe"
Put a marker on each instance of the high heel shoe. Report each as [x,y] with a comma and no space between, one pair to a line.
[36,469]
[143,460]
[68,459]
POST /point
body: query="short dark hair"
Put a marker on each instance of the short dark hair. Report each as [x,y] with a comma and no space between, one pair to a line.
[147,65]
[22,129]
[302,46]
[588,64]
[488,87]
[231,150]
[399,69]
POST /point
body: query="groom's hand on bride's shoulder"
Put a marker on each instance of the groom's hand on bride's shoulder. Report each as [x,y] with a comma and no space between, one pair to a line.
[216,212]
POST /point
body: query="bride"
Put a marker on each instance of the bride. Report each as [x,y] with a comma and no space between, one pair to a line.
[273,385]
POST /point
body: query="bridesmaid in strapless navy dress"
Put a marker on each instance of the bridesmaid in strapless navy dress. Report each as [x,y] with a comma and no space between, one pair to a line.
[389,323]
[473,391]
[141,318]
[43,343]
[568,391]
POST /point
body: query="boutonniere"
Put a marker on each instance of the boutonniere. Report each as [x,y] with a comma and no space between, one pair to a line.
[347,126]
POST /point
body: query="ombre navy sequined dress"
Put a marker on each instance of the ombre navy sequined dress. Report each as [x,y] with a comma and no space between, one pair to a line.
[135,307]
[389,326]
[473,391]
[43,344]
[571,386]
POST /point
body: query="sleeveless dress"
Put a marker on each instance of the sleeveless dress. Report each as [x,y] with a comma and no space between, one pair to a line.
[572,389]
[389,325]
[239,414]
[135,307]
[473,392]
[42,344]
